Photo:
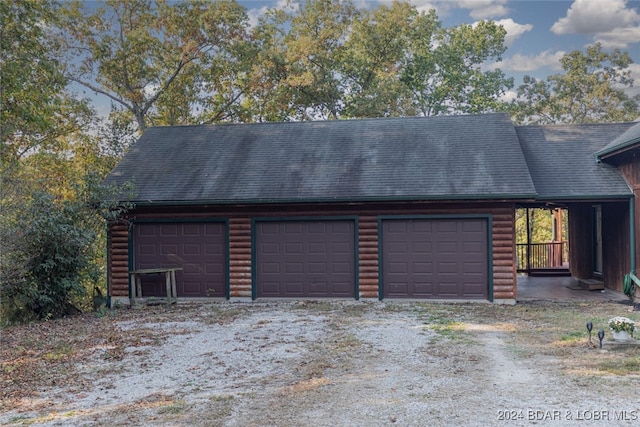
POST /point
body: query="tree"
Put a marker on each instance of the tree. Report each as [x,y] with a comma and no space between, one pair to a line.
[591,89]
[444,71]
[267,97]
[160,61]
[52,159]
[313,45]
[337,61]
[374,53]
[35,111]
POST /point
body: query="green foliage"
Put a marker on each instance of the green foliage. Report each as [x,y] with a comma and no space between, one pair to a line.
[540,225]
[49,256]
[375,50]
[34,109]
[48,261]
[313,47]
[328,59]
[53,157]
[160,61]
[198,61]
[591,90]
[444,70]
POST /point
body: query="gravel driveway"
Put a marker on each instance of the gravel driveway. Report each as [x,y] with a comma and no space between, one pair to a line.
[320,363]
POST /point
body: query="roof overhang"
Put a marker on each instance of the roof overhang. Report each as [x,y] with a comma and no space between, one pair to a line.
[426,199]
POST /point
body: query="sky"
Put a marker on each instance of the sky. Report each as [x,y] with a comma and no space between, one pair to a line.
[539,32]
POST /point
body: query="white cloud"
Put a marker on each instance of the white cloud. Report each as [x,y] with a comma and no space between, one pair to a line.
[620,38]
[484,9]
[151,90]
[509,96]
[526,63]
[478,9]
[426,5]
[596,16]
[256,13]
[514,30]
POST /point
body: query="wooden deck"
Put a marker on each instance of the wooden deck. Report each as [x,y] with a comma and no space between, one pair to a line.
[561,288]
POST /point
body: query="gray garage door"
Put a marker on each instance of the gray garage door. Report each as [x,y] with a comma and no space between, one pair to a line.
[305,259]
[197,247]
[435,258]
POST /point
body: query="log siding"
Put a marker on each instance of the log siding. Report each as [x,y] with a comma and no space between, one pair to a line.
[240,271]
[118,256]
[502,270]
[368,257]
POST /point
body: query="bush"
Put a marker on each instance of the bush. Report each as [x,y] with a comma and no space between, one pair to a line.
[53,259]
[49,255]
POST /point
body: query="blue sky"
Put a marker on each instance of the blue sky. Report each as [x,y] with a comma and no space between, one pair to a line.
[539,32]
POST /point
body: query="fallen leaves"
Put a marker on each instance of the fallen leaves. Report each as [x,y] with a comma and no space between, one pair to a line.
[47,354]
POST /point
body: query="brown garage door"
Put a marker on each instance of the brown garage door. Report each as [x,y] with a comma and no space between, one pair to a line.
[305,259]
[197,247]
[435,258]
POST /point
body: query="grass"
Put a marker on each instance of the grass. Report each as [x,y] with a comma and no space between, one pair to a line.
[61,350]
[628,365]
[173,408]
[556,330]
[573,337]
[220,407]
[451,330]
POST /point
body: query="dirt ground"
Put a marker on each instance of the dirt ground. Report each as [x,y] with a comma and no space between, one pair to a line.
[321,363]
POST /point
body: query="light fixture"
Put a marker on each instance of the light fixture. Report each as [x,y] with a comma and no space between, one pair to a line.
[600,336]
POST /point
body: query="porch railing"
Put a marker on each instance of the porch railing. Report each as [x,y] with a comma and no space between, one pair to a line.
[542,256]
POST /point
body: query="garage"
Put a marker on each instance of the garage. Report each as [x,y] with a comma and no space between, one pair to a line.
[196,247]
[307,258]
[435,258]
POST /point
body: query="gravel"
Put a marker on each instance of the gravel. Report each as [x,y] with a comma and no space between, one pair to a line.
[317,363]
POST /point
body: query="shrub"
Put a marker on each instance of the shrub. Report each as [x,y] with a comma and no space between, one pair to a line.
[49,257]
[52,254]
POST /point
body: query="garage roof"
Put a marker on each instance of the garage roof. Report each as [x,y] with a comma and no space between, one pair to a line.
[562,163]
[445,157]
[463,157]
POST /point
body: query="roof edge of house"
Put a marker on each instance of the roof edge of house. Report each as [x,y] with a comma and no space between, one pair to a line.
[475,198]
[607,152]
[586,197]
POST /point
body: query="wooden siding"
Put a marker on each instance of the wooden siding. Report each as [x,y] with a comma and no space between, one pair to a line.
[504,243]
[615,244]
[118,259]
[240,278]
[581,240]
[368,258]
[629,165]
[240,269]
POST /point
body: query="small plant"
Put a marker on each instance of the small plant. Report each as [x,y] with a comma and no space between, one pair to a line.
[622,324]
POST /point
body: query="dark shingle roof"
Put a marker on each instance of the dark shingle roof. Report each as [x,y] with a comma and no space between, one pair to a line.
[630,137]
[446,157]
[562,163]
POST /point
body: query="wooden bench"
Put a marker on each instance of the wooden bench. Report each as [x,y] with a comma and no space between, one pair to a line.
[170,281]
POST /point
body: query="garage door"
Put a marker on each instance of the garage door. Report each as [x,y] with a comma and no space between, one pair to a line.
[197,247]
[305,259]
[435,258]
